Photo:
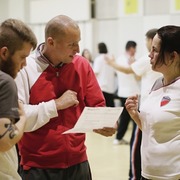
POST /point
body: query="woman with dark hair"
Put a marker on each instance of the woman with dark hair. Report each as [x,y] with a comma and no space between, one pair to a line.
[86,53]
[159,116]
[105,74]
[102,48]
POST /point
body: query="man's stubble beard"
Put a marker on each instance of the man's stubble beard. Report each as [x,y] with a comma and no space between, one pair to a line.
[8,67]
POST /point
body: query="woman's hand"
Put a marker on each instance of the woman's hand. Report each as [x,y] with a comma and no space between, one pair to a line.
[132,108]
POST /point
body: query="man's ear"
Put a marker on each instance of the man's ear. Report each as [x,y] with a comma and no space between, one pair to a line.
[4,53]
[50,41]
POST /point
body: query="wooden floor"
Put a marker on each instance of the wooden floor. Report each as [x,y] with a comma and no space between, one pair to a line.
[108,161]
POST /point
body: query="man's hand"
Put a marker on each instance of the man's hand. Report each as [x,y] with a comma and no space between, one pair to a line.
[110,60]
[21,110]
[68,99]
[106,131]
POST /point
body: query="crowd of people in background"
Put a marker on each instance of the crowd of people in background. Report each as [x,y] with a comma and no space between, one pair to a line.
[54,85]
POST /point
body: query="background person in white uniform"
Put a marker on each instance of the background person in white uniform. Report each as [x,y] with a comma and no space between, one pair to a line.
[127,85]
[159,116]
[105,74]
[141,68]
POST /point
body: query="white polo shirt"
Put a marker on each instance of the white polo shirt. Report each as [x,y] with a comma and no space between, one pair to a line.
[105,74]
[127,83]
[160,118]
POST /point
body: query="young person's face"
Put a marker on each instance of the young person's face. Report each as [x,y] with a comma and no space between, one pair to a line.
[169,61]
[154,56]
[13,64]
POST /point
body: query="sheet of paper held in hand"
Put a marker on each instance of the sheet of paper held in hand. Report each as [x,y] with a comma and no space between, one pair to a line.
[96,118]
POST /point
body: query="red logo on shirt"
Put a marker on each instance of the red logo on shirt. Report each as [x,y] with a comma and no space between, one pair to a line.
[165,100]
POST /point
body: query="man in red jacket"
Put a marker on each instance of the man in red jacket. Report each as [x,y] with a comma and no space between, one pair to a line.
[55,86]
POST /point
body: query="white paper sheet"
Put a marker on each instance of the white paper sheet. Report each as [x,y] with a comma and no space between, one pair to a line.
[96,118]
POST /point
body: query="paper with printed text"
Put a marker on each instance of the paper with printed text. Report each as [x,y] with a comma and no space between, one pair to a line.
[96,118]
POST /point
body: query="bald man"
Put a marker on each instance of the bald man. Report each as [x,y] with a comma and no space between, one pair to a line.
[55,86]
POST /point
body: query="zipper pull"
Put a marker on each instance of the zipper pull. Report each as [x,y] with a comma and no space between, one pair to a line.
[57,73]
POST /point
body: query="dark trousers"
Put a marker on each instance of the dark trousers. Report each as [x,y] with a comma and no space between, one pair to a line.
[123,121]
[142,178]
[77,172]
[135,154]
[109,99]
